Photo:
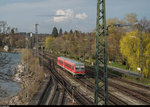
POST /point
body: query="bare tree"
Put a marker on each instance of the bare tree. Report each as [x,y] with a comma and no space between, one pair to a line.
[145,24]
[3,24]
[8,30]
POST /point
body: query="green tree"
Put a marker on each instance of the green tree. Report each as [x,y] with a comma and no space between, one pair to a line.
[48,42]
[60,32]
[113,40]
[12,31]
[55,32]
[129,47]
[65,33]
[71,32]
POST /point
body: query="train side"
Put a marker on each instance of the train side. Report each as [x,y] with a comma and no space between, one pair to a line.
[74,67]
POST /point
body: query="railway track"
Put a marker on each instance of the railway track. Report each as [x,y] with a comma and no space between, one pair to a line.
[139,95]
[144,97]
[122,79]
[79,98]
[52,94]
[90,86]
[113,100]
[46,98]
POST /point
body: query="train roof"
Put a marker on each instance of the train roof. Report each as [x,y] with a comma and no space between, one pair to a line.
[72,61]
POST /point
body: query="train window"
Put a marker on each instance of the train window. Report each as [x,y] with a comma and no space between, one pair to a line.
[69,66]
[61,62]
[79,68]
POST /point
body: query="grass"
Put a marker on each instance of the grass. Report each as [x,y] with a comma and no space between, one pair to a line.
[117,65]
[144,81]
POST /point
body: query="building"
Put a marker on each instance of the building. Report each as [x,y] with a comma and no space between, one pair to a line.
[6,48]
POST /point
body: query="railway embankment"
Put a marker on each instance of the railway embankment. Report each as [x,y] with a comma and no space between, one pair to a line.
[29,79]
[40,93]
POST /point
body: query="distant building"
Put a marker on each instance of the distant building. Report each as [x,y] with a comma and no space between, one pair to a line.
[31,34]
[6,48]
[21,33]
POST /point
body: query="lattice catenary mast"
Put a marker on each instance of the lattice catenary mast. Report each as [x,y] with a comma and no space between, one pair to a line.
[37,39]
[101,82]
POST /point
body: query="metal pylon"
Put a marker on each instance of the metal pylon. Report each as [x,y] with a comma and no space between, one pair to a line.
[101,81]
[37,39]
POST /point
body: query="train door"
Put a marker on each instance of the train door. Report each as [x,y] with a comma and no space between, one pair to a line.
[58,61]
[73,69]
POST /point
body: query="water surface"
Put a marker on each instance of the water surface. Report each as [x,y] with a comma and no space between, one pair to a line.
[9,86]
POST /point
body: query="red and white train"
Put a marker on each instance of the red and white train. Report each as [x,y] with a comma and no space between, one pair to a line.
[74,67]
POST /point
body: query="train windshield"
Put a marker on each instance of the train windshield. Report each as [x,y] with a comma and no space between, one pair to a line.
[79,68]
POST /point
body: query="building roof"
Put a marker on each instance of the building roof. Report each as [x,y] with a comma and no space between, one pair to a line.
[72,61]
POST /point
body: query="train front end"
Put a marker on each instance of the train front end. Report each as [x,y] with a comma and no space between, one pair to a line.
[80,69]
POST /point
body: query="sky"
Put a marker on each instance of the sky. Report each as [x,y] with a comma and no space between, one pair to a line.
[66,14]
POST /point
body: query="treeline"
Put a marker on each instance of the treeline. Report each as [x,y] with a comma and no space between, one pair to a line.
[75,44]
[56,33]
[123,43]
[10,36]
[12,40]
